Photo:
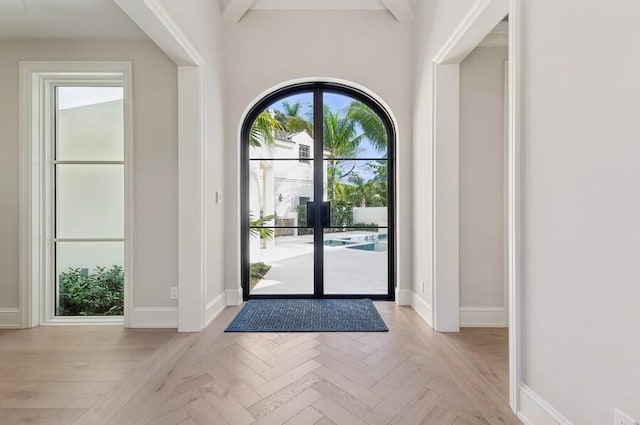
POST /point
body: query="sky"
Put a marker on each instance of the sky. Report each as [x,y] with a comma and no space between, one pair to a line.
[73,97]
[334,101]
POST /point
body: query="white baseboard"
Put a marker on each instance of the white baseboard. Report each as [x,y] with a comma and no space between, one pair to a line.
[534,410]
[10,318]
[403,296]
[234,297]
[423,308]
[214,308]
[153,317]
[483,317]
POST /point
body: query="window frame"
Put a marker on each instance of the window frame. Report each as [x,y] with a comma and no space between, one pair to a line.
[304,159]
[37,156]
[319,88]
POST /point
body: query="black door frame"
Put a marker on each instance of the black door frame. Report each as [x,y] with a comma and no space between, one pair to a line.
[317,89]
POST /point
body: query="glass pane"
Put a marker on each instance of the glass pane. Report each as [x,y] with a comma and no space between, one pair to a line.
[90,123]
[90,278]
[279,192]
[356,261]
[281,261]
[351,129]
[284,129]
[90,201]
[358,192]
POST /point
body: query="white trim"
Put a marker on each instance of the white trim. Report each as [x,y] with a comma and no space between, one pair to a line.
[153,317]
[483,16]
[234,296]
[78,321]
[515,192]
[483,317]
[154,19]
[423,308]
[10,318]
[495,40]
[402,10]
[534,410]
[129,190]
[214,308]
[192,202]
[498,37]
[403,296]
[474,27]
[36,78]
[236,9]
[445,192]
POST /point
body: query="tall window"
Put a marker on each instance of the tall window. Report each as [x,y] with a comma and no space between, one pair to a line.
[87,195]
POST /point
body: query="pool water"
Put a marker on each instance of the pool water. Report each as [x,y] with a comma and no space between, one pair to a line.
[363,243]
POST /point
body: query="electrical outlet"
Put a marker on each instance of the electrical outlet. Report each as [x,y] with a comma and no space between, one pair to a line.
[623,419]
[174,292]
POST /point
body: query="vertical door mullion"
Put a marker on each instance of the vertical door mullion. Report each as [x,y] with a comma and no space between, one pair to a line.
[318,178]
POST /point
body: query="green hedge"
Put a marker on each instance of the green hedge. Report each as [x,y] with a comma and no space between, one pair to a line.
[100,293]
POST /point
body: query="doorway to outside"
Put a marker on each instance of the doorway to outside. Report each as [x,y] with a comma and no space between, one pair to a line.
[318,195]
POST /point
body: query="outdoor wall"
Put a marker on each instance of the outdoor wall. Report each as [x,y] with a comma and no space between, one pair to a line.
[90,198]
[200,21]
[582,207]
[268,48]
[155,163]
[368,215]
[434,23]
[482,178]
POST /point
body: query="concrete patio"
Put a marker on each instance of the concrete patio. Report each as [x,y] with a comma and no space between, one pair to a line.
[357,266]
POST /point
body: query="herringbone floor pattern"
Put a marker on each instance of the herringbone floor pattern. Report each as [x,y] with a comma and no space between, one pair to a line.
[409,375]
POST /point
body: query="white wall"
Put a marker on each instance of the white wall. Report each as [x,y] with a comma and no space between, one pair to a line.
[368,215]
[155,167]
[200,21]
[434,23]
[482,178]
[267,48]
[582,206]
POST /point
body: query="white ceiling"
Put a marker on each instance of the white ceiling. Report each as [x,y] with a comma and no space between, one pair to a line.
[318,5]
[65,19]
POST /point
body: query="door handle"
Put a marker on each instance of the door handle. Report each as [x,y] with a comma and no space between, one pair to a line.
[311,214]
[325,214]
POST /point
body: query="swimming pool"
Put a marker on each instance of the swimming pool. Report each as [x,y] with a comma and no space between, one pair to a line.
[376,242]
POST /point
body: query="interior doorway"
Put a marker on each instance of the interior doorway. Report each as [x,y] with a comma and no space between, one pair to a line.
[473,28]
[318,195]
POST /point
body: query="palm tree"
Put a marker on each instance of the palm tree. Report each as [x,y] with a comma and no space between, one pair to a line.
[292,120]
[370,123]
[263,129]
[343,132]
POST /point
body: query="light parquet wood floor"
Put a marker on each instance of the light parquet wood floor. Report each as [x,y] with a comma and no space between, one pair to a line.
[109,376]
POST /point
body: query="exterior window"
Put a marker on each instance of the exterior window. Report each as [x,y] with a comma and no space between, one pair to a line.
[304,154]
[88,201]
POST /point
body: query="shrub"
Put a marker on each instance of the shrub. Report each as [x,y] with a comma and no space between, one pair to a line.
[257,272]
[100,293]
[365,227]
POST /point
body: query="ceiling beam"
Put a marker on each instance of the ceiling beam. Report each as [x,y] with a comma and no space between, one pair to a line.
[236,9]
[157,23]
[402,10]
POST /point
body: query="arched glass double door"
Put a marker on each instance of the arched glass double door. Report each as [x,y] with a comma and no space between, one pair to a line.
[318,195]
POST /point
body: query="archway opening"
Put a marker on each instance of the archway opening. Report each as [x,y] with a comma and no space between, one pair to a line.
[317,195]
